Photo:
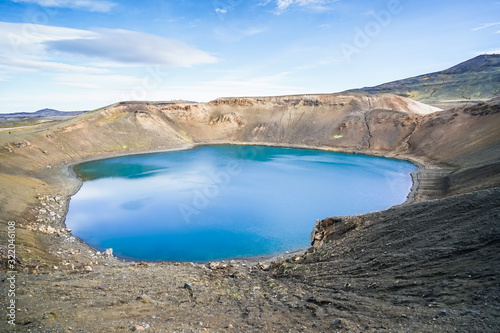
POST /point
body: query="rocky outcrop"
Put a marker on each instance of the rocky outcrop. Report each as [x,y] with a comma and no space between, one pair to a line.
[333,228]
[230,118]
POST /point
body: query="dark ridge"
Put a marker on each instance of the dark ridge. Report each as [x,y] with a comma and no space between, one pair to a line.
[477,79]
[43,113]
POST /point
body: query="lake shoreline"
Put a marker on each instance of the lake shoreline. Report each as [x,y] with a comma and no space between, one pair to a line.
[67,173]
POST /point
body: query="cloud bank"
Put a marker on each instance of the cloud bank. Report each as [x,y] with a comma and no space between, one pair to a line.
[133,47]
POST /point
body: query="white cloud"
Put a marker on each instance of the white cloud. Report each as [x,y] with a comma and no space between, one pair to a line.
[19,39]
[221,11]
[127,46]
[318,5]
[47,48]
[88,5]
[47,65]
[23,48]
[486,25]
[252,31]
[283,4]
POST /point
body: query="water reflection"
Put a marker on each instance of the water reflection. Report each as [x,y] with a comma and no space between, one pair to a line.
[226,201]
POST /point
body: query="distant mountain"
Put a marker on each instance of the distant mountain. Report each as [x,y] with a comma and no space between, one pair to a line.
[44,113]
[477,79]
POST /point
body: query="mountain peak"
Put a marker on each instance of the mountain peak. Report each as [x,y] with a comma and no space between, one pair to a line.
[476,79]
[477,64]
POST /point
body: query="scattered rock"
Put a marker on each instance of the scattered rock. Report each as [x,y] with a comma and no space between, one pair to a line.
[108,253]
[88,269]
[103,287]
[473,313]
[337,322]
[188,286]
[20,261]
[264,267]
[214,265]
[145,299]
[138,328]
[23,144]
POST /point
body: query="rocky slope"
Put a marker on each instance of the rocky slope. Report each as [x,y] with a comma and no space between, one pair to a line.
[428,265]
[477,79]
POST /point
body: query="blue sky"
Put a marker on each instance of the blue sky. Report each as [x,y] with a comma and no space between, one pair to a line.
[84,54]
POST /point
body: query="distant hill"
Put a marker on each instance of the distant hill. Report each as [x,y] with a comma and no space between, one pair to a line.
[477,79]
[41,114]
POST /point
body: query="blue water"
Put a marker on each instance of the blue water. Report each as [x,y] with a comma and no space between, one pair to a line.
[226,201]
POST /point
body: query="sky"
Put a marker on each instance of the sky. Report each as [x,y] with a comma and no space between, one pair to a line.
[75,55]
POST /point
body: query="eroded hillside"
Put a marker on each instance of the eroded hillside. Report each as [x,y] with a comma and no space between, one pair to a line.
[340,121]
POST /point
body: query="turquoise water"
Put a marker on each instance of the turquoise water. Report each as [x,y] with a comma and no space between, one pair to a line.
[226,201]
